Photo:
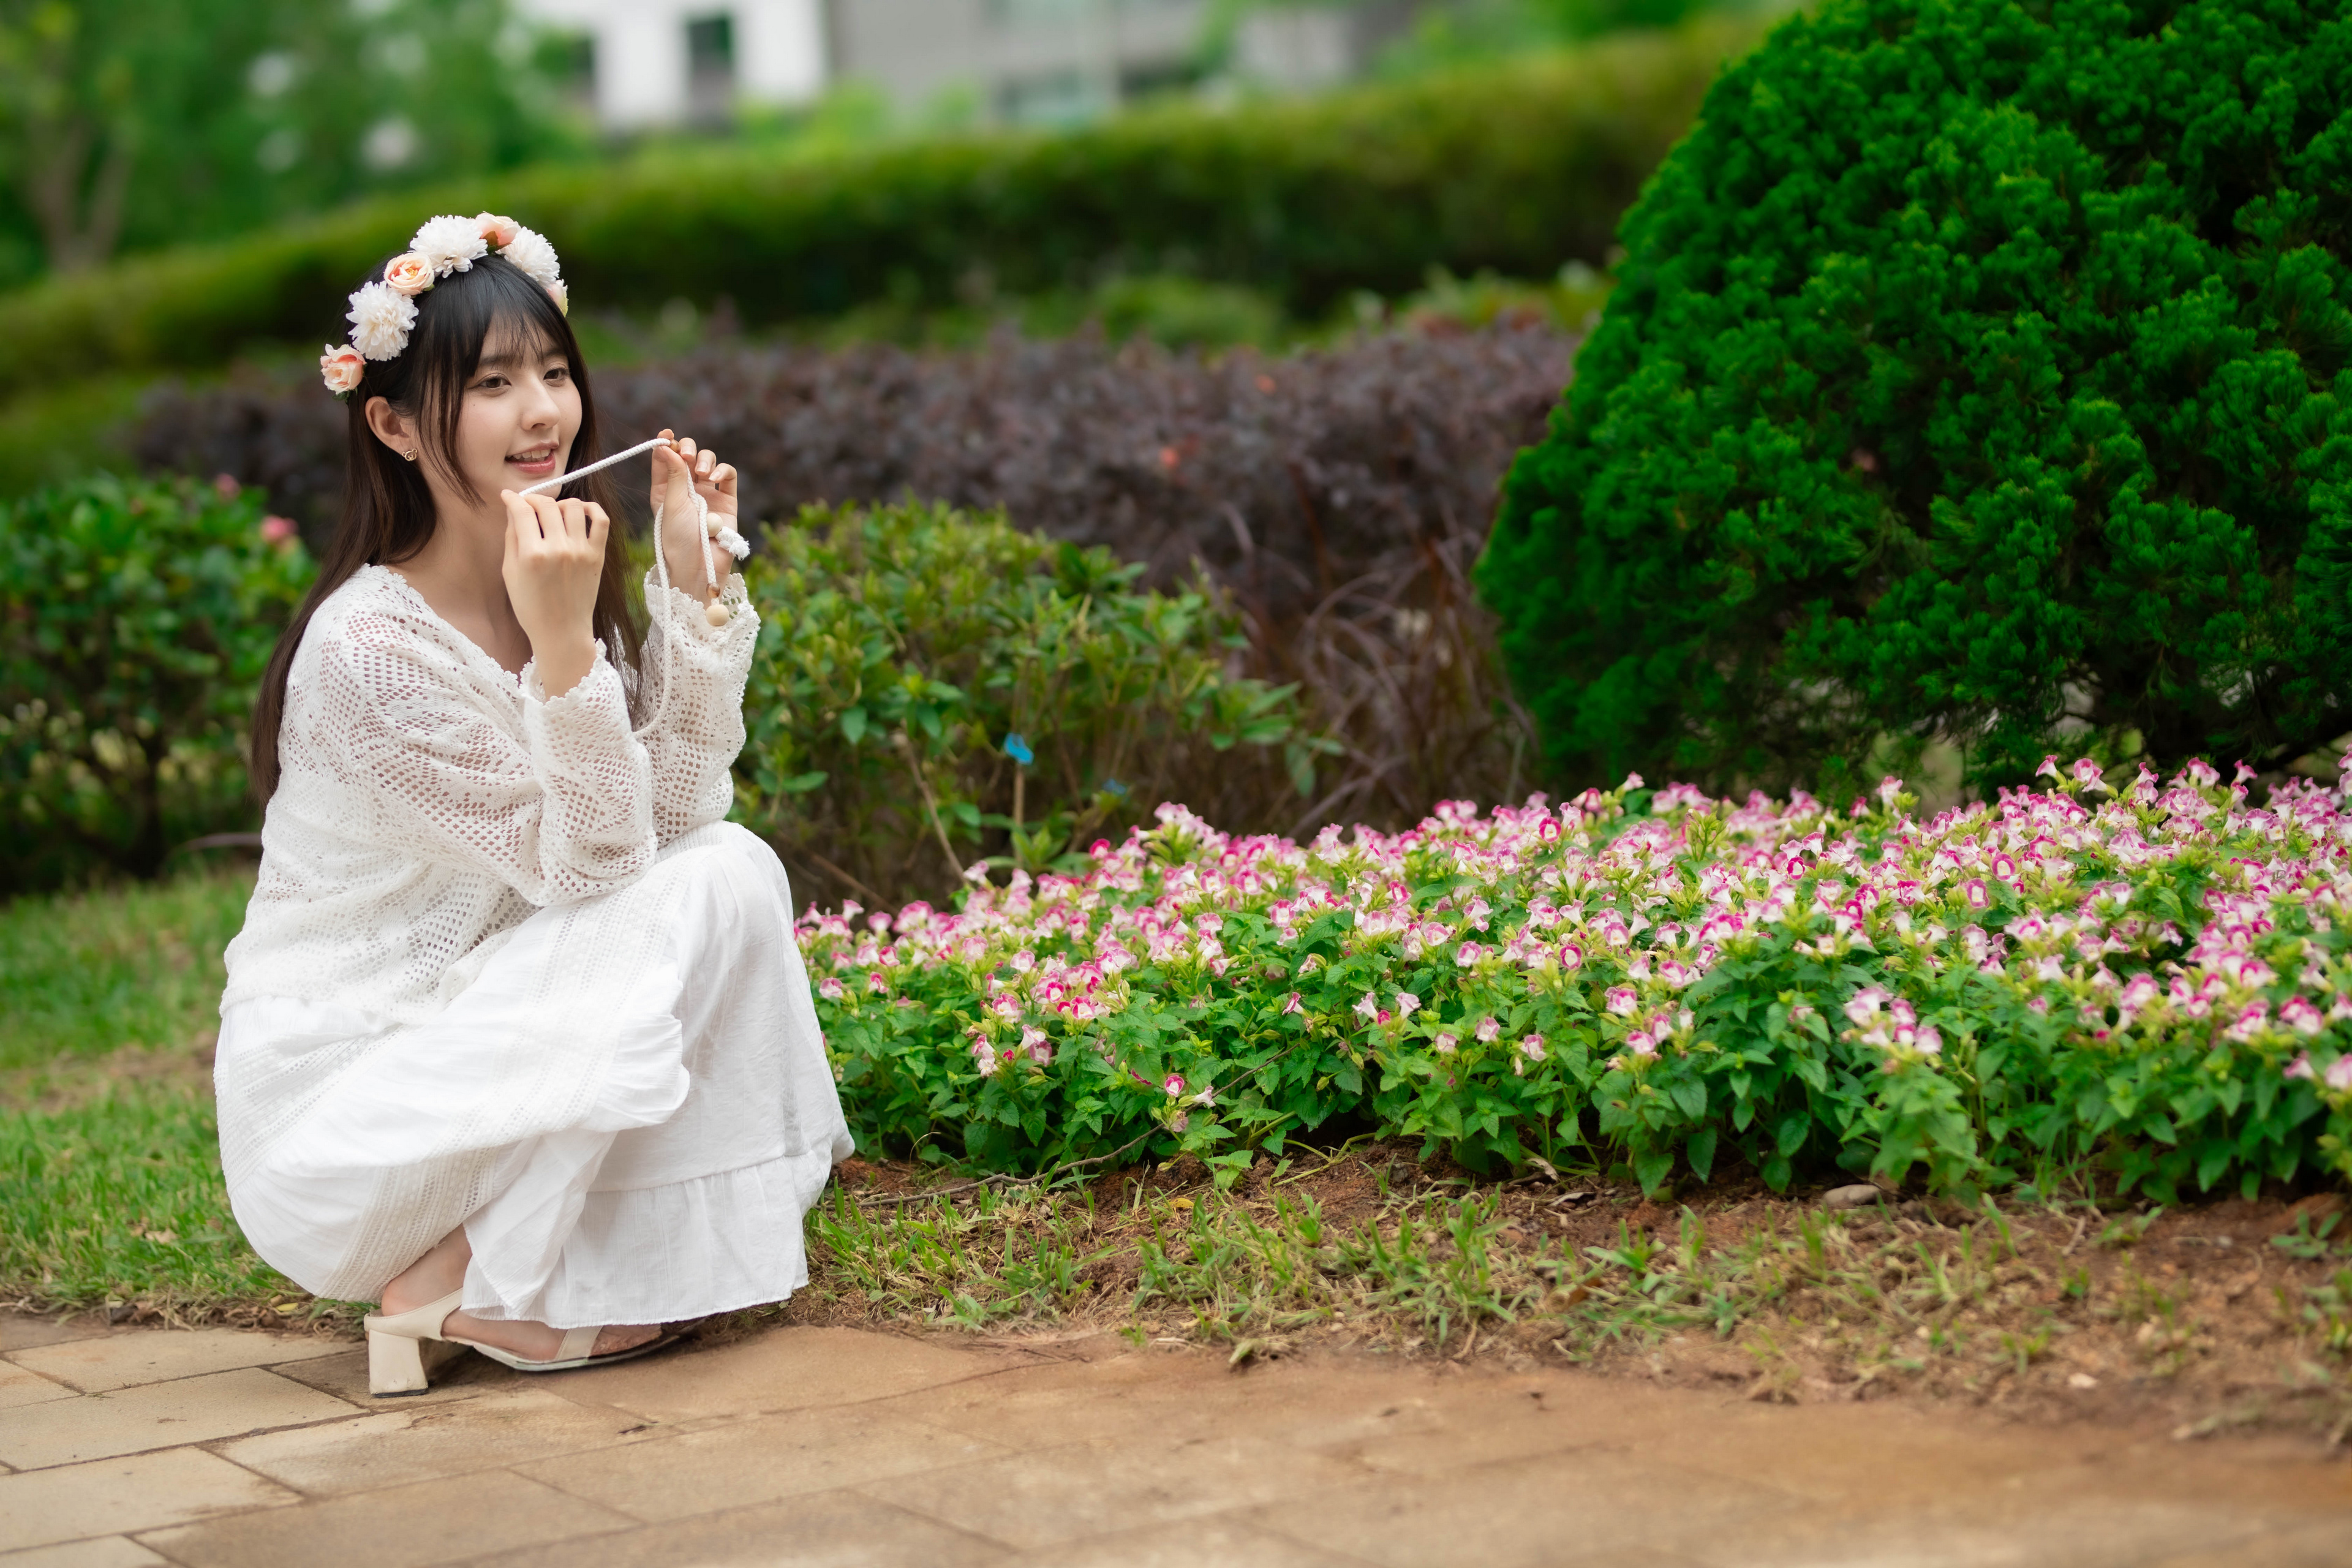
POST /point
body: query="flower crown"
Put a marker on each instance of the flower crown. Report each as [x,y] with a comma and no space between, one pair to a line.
[383,313]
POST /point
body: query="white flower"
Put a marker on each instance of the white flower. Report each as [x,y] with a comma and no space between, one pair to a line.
[530,250]
[450,244]
[381,318]
[562,297]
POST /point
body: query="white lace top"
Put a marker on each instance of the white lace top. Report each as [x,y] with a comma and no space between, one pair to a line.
[428,800]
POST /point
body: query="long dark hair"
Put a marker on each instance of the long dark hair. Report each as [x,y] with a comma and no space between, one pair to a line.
[388,513]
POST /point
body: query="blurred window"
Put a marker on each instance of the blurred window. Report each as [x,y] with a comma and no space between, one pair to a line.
[709,67]
[1062,98]
[568,61]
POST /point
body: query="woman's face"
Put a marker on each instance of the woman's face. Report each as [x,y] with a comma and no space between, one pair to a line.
[521,411]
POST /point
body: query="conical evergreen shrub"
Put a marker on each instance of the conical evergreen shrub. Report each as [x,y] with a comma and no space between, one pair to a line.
[1978,370]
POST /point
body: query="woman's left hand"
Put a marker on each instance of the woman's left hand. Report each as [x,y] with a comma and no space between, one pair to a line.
[681,472]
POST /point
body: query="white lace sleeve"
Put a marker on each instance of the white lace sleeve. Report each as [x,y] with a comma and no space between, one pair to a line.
[692,701]
[561,811]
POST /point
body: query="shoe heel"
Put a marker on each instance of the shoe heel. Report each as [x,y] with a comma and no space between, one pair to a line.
[396,1365]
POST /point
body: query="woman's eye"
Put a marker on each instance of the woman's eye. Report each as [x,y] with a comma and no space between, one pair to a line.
[561,372]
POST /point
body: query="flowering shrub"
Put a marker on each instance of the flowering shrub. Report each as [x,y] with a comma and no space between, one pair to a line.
[134,620]
[2154,980]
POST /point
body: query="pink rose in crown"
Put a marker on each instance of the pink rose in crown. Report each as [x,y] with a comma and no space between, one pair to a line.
[341,368]
[497,232]
[408,273]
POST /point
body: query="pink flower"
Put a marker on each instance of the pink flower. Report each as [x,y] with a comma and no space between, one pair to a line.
[831,989]
[1469,954]
[1973,889]
[1368,1005]
[279,530]
[2339,1073]
[1290,1004]
[1173,1084]
[2087,775]
[2299,1015]
[1444,1045]
[497,232]
[1621,1001]
[1407,1004]
[983,1056]
[408,273]
[2049,768]
[2299,1068]
[1040,1049]
[877,986]
[1641,1043]
[341,368]
[1864,1004]
[1487,1030]
[1532,1047]
[2201,772]
[1571,955]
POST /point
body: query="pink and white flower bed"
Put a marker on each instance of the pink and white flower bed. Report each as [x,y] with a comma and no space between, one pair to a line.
[2155,981]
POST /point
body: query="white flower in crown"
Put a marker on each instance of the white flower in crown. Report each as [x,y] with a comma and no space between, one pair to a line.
[451,244]
[381,318]
[530,250]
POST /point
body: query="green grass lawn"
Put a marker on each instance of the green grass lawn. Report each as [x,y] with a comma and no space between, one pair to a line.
[109,1162]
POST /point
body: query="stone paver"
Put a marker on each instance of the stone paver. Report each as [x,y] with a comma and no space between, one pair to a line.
[806,1368]
[1524,1513]
[450,1521]
[113,1497]
[757,1461]
[126,1359]
[105,1551]
[19,1386]
[415,1441]
[159,1416]
[829,1447]
[824,1530]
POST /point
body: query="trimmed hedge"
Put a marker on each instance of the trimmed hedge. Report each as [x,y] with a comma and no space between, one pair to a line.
[1338,495]
[1515,168]
[1975,371]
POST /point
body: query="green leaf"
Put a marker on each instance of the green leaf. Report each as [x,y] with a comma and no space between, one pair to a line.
[1700,1152]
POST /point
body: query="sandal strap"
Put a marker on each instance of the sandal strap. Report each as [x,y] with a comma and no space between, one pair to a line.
[579,1345]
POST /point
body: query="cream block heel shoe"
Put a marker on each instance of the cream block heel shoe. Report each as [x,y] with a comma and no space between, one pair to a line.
[396,1348]
[395,1344]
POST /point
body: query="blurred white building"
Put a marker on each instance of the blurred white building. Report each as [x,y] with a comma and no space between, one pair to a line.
[668,62]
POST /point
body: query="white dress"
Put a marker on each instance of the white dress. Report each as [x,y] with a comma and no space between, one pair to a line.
[506,966]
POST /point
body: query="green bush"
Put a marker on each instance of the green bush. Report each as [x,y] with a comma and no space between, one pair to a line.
[1977,372]
[134,621]
[1515,168]
[901,648]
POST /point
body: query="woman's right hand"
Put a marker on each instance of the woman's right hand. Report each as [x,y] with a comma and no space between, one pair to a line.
[554,565]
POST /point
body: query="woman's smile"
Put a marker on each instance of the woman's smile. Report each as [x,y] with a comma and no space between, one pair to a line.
[537,461]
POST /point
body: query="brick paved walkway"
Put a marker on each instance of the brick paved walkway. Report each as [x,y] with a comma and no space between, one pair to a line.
[826,1445]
